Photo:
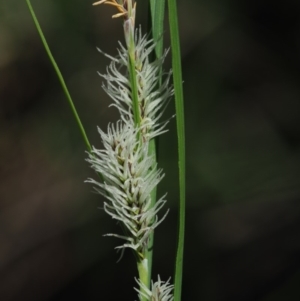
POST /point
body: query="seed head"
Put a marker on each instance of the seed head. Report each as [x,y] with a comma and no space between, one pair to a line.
[160,291]
[129,177]
[152,97]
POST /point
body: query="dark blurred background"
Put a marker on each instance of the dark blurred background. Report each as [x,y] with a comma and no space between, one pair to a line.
[241,70]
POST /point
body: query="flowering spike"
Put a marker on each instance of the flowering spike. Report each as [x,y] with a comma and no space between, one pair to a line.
[129,172]
[126,8]
[152,97]
[160,291]
[129,178]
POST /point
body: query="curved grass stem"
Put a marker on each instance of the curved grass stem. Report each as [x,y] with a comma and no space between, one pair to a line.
[60,78]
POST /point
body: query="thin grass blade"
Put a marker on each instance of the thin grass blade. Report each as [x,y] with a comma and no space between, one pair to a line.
[60,77]
[157,9]
[179,105]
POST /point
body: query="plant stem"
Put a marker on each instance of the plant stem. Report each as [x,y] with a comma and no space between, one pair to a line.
[134,91]
[144,277]
[156,25]
[129,37]
[149,252]
[178,91]
[60,77]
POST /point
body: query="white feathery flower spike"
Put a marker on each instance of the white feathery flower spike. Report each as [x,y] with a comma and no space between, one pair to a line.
[129,178]
[152,97]
[140,91]
[160,291]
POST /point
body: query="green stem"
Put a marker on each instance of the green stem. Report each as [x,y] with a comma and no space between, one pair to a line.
[149,252]
[157,8]
[144,277]
[134,91]
[156,26]
[142,264]
[129,37]
[60,77]
[177,79]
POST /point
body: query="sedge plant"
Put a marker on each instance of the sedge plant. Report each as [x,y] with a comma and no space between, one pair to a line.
[127,173]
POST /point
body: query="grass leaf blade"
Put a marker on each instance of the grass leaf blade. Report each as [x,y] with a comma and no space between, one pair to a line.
[157,9]
[157,17]
[177,79]
[60,77]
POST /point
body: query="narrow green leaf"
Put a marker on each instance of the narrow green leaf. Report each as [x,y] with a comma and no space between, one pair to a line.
[157,8]
[177,79]
[60,77]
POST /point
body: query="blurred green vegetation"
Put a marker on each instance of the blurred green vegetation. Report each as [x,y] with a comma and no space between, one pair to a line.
[241,64]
